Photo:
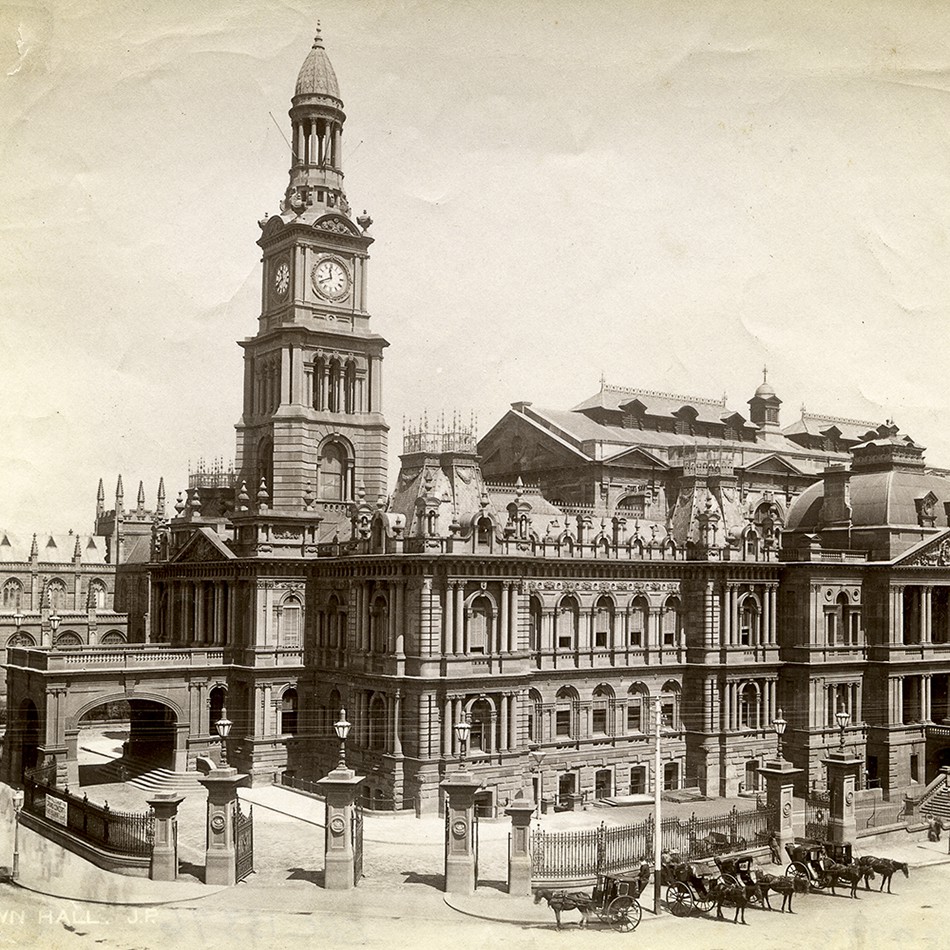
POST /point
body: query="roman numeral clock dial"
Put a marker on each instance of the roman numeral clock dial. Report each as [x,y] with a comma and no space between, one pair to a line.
[330,278]
[282,279]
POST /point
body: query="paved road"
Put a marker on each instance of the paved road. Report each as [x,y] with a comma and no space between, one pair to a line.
[917,915]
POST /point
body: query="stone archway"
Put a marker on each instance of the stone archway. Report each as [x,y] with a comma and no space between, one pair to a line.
[25,736]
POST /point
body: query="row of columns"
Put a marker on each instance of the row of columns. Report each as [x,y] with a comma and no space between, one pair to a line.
[504,639]
[766,616]
[767,705]
[502,732]
[317,142]
[331,386]
[923,684]
[197,613]
[267,386]
[831,695]
[923,630]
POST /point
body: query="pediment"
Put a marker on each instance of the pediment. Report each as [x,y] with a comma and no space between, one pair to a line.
[336,224]
[203,545]
[934,552]
[773,465]
[636,457]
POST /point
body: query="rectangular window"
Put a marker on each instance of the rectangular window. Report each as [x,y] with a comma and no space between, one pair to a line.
[564,640]
[830,628]
[638,780]
[667,710]
[634,718]
[669,628]
[563,722]
[636,628]
[671,776]
[599,721]
[600,637]
[915,768]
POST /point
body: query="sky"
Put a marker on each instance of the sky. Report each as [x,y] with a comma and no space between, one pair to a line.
[667,195]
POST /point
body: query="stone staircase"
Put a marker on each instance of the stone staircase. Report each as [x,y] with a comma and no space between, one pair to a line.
[938,805]
[141,774]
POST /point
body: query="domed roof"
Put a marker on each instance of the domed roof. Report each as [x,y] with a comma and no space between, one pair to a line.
[765,390]
[316,76]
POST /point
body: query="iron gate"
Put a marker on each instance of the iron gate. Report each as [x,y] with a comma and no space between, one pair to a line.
[357,828]
[817,815]
[243,842]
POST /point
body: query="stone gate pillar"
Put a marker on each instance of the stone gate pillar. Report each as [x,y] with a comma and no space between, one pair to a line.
[164,866]
[779,778]
[460,789]
[341,786]
[842,780]
[220,857]
[519,851]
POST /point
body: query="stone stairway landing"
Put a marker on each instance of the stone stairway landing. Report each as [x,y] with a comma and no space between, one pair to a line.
[939,805]
[142,774]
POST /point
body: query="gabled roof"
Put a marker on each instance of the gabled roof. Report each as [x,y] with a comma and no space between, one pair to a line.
[203,545]
[637,455]
[772,462]
[615,398]
[852,430]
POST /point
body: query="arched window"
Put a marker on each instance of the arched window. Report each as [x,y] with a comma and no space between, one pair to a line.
[603,623]
[749,621]
[483,532]
[480,718]
[113,637]
[671,622]
[602,711]
[333,396]
[480,625]
[565,702]
[568,623]
[535,615]
[639,617]
[749,707]
[751,540]
[633,506]
[379,625]
[332,475]
[288,712]
[349,388]
[637,699]
[12,595]
[289,625]
[68,639]
[377,723]
[97,595]
[319,383]
[56,595]
[265,467]
[21,639]
[217,700]
[535,722]
[669,704]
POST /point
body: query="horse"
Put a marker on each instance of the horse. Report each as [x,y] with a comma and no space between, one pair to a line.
[852,873]
[566,900]
[886,867]
[781,884]
[738,894]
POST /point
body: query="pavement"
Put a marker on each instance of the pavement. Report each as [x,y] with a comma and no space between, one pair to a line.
[403,859]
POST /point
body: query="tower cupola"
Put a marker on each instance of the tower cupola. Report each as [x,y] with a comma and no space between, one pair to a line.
[317,117]
[764,405]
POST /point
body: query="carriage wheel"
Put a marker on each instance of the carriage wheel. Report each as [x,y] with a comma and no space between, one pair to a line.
[731,880]
[704,902]
[797,869]
[624,914]
[679,899]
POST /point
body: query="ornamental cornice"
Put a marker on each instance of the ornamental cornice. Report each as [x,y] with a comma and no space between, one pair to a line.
[605,586]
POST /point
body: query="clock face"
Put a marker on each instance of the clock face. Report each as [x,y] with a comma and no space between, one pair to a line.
[282,278]
[330,279]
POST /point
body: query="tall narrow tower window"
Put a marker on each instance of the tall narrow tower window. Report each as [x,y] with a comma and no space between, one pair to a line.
[332,472]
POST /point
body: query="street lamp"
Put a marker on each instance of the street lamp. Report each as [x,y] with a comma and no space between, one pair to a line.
[537,756]
[842,717]
[779,725]
[54,621]
[342,729]
[18,618]
[462,729]
[17,805]
[223,728]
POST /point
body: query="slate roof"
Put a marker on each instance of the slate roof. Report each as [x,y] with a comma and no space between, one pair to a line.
[53,548]
[854,430]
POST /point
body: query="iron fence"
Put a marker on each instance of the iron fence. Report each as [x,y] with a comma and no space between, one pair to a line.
[818,815]
[572,855]
[289,780]
[126,833]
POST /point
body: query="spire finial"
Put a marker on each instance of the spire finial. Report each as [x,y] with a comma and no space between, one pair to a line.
[318,37]
[603,381]
[765,374]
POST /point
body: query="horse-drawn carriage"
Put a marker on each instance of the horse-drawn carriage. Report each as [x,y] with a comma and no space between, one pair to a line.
[687,890]
[614,900]
[738,872]
[808,859]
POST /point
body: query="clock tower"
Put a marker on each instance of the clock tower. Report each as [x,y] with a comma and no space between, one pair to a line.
[312,433]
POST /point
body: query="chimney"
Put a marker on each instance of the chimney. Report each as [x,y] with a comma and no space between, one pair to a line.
[836,506]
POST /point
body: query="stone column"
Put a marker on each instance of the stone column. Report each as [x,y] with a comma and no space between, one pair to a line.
[519,854]
[222,786]
[460,789]
[842,780]
[164,866]
[341,788]
[779,778]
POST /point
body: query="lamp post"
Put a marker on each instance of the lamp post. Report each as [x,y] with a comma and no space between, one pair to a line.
[342,729]
[462,729]
[779,725]
[223,729]
[18,618]
[842,717]
[54,621]
[17,805]
[537,756]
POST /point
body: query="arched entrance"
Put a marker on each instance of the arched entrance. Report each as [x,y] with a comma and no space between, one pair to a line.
[122,738]
[27,735]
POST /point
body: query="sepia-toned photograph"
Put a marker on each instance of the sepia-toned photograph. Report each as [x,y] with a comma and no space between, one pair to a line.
[474,473]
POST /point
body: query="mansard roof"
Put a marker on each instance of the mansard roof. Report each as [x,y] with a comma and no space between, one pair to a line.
[620,399]
[53,548]
[850,430]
